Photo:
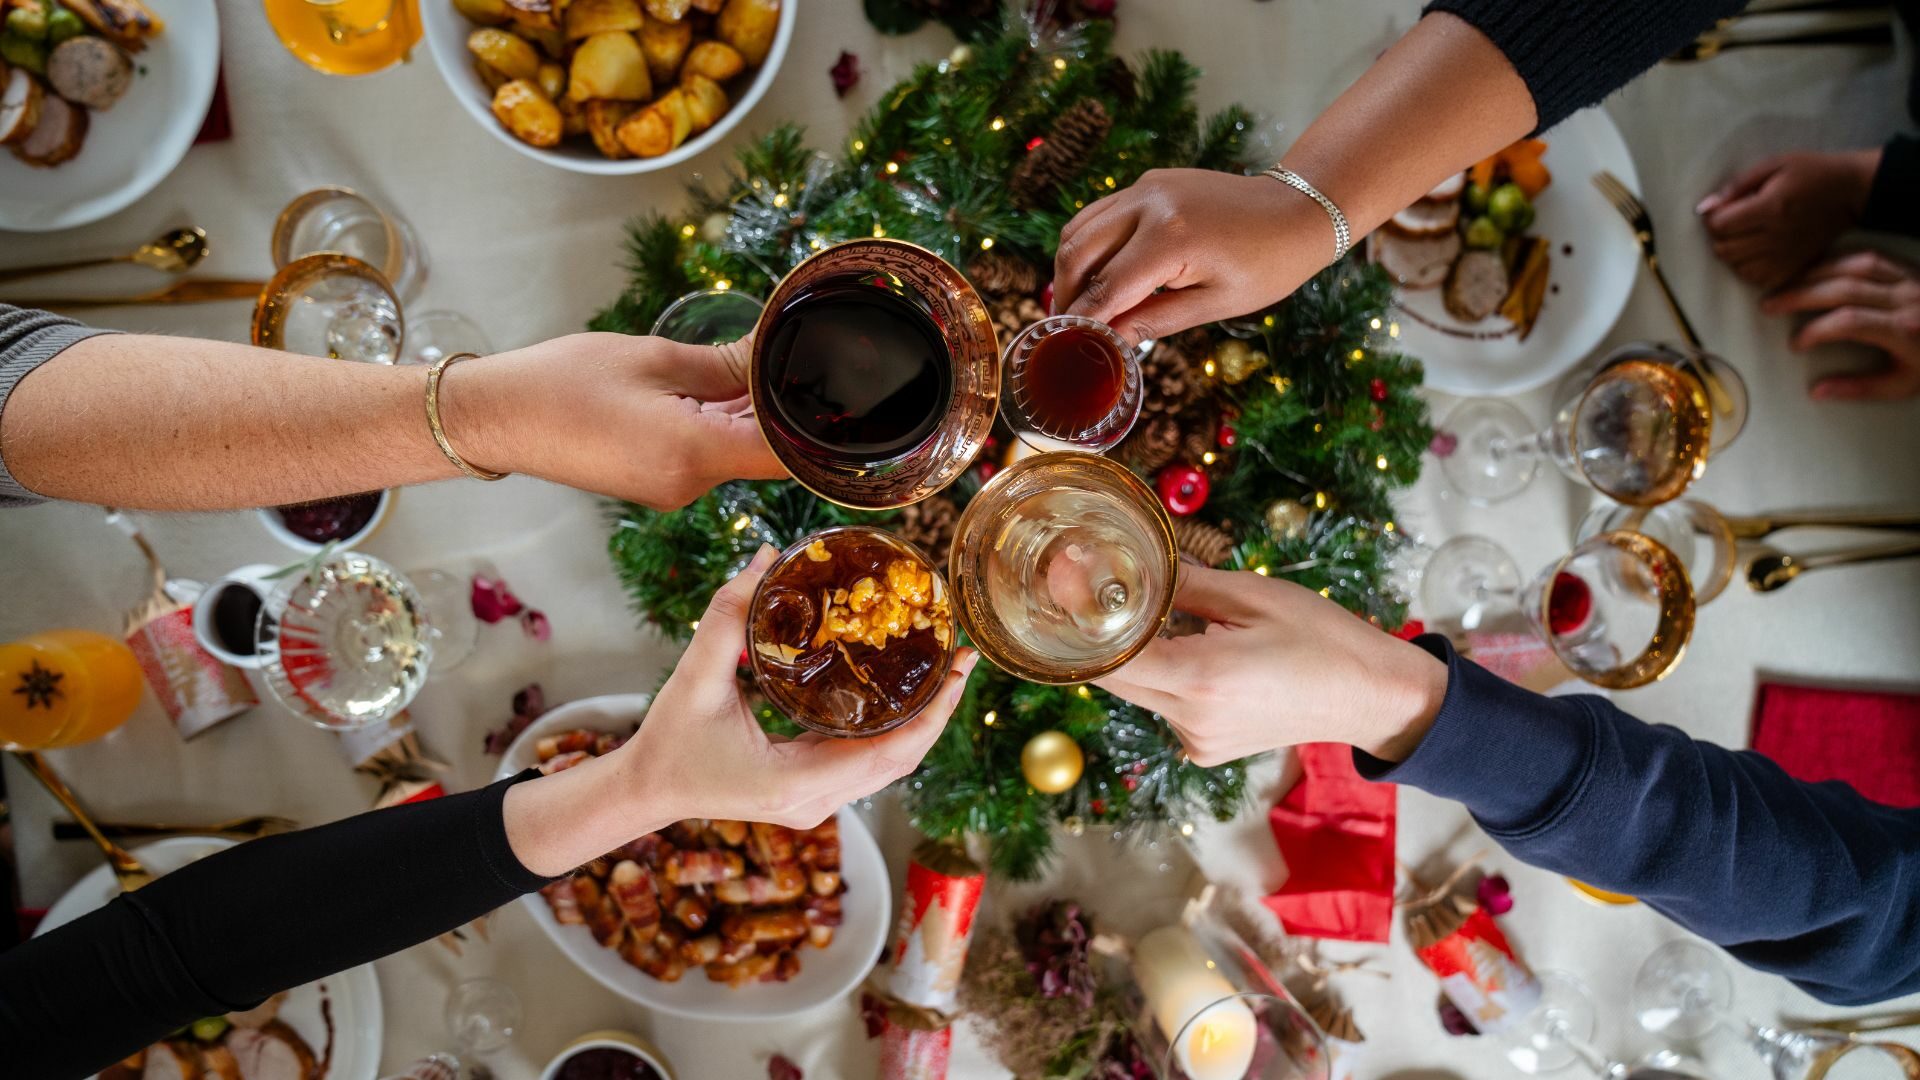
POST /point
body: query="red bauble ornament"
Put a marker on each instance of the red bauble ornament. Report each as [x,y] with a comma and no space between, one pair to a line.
[1226,436]
[1378,388]
[1183,489]
[986,469]
[745,661]
[1046,298]
[1035,143]
[1098,806]
[1569,604]
[1129,783]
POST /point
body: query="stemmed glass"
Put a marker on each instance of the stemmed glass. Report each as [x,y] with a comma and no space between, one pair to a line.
[1558,1033]
[344,643]
[1638,429]
[1617,610]
[709,317]
[1072,383]
[334,305]
[1691,529]
[1684,991]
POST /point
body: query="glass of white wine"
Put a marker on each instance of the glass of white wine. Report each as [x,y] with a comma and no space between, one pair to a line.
[332,305]
[1638,429]
[344,642]
[1689,528]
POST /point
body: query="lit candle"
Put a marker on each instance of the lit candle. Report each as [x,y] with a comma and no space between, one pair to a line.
[1212,1032]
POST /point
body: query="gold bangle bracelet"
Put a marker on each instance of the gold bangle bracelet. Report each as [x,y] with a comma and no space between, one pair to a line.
[434,375]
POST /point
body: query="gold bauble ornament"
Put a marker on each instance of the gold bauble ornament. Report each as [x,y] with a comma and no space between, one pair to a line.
[1073,825]
[1287,520]
[1052,762]
[714,229]
[1235,360]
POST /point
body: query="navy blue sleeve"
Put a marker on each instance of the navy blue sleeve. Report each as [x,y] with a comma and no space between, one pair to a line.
[1811,881]
[1893,204]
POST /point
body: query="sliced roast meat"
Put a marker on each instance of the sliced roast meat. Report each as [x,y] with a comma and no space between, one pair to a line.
[1428,218]
[20,102]
[272,1051]
[1449,189]
[1416,262]
[218,1063]
[1477,286]
[57,137]
[89,71]
[166,1061]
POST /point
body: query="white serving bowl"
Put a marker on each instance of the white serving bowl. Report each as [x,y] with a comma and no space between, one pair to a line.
[446,32]
[826,975]
[609,1040]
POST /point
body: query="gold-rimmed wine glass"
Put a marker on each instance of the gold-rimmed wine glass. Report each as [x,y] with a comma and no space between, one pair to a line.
[1638,427]
[1063,568]
[709,317]
[343,221]
[1071,383]
[344,642]
[1617,610]
[1699,534]
[330,305]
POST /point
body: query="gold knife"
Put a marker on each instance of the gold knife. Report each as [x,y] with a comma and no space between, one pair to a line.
[180,292]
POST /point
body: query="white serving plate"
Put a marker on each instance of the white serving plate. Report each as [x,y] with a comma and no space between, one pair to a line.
[446,32]
[131,147]
[1586,290]
[352,996]
[826,975]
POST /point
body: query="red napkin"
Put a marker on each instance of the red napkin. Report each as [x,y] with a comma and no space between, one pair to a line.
[1335,831]
[1868,738]
[218,126]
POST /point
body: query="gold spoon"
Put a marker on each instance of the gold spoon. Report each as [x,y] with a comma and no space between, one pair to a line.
[175,251]
[127,870]
[1772,570]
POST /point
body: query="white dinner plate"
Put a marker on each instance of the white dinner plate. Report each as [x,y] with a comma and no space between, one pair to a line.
[1587,287]
[826,975]
[352,996]
[131,147]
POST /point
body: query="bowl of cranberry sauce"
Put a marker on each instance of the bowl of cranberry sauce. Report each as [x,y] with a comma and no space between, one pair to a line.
[343,522]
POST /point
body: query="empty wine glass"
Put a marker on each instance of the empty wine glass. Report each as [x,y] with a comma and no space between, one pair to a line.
[1684,991]
[482,1015]
[1558,1033]
[709,317]
[344,642]
[345,222]
[1639,430]
[432,336]
[1691,529]
[330,305]
[1617,610]
[1072,383]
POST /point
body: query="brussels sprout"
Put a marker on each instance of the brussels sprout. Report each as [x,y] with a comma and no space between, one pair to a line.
[28,21]
[1483,233]
[1476,198]
[1509,208]
[23,53]
[63,24]
[209,1029]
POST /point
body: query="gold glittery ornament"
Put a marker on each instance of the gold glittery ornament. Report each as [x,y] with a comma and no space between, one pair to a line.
[1073,825]
[1052,762]
[1235,360]
[714,229]
[1287,520]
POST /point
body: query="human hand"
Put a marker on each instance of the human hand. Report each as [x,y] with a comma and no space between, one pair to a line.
[1777,217]
[1862,297]
[1279,665]
[638,418]
[1220,245]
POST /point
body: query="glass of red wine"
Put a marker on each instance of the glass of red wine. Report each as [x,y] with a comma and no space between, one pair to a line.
[1617,610]
[1072,383]
[876,373]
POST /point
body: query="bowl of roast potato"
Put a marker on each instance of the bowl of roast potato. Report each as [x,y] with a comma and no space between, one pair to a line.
[608,86]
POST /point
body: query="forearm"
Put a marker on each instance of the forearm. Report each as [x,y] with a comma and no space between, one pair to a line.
[183,424]
[1808,880]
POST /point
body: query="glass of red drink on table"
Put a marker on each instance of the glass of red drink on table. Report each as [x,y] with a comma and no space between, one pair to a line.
[1071,384]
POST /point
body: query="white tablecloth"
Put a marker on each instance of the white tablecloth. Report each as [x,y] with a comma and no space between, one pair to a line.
[530,252]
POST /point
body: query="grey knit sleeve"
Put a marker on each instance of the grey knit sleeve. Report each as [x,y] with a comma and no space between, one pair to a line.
[29,338]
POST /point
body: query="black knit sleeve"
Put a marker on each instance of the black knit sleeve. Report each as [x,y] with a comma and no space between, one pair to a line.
[232,929]
[1572,53]
[1894,203]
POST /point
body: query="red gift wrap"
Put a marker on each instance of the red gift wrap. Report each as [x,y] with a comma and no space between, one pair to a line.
[929,953]
[196,688]
[912,1054]
[1480,973]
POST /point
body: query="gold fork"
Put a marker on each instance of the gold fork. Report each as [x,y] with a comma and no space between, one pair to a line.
[127,870]
[1629,206]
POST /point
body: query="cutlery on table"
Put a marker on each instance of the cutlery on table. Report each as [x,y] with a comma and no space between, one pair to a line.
[1713,43]
[1756,526]
[244,828]
[1629,206]
[1857,1025]
[126,869]
[175,251]
[180,292]
[1773,570]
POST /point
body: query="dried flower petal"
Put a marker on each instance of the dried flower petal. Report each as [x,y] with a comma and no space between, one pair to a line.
[492,600]
[845,73]
[780,1067]
[536,625]
[530,701]
[873,1012]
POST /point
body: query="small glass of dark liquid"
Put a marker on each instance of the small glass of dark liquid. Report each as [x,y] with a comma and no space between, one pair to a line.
[851,632]
[1072,383]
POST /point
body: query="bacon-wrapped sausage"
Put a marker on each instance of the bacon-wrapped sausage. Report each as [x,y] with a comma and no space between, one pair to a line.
[823,911]
[631,886]
[649,851]
[731,833]
[748,969]
[645,953]
[687,833]
[566,909]
[567,742]
[607,742]
[771,844]
[824,882]
[701,951]
[602,915]
[787,967]
[764,927]
[820,936]
[692,911]
[704,867]
[562,762]
[779,886]
[820,846]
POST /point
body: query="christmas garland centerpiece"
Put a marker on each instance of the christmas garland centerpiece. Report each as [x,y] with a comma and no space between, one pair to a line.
[1274,439]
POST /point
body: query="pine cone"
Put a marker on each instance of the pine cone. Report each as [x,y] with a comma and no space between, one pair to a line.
[1063,155]
[1167,375]
[1152,443]
[930,523]
[994,273]
[1200,429]
[1208,543]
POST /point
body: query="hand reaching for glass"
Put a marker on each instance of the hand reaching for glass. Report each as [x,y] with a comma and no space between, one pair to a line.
[1279,665]
[1868,299]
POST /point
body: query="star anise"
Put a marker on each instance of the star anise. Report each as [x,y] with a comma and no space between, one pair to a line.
[40,686]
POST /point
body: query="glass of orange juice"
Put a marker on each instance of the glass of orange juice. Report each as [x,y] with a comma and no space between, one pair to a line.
[346,37]
[63,687]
